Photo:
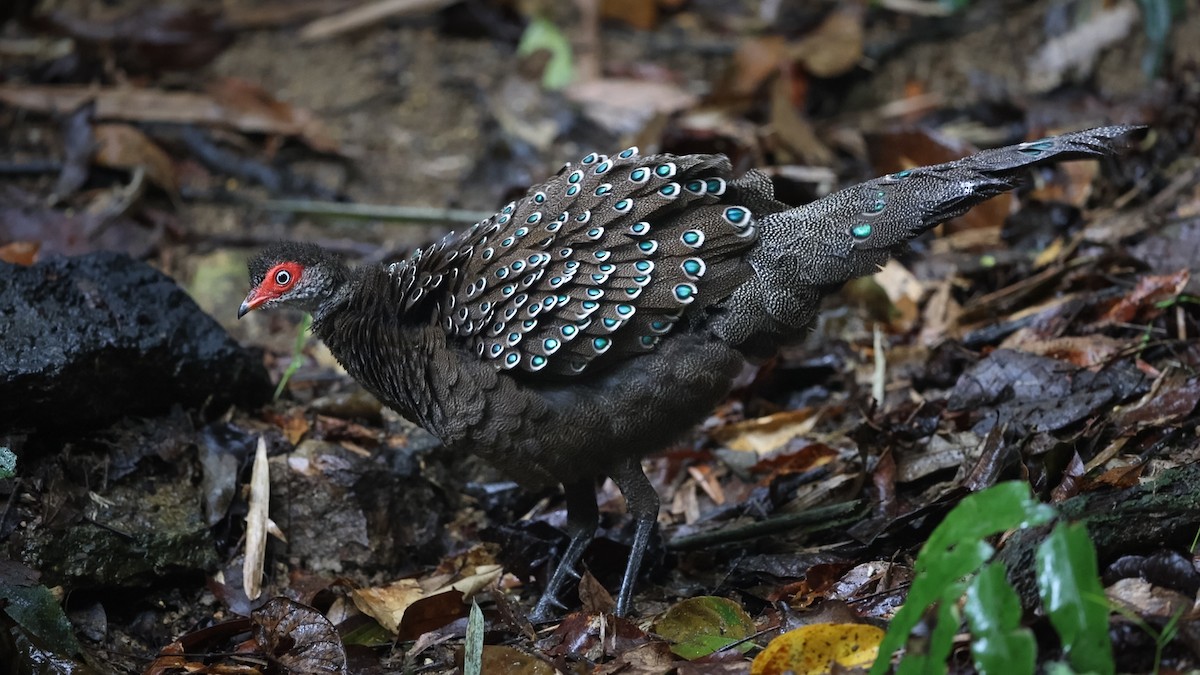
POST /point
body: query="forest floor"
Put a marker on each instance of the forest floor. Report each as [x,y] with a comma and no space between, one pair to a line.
[1048,337]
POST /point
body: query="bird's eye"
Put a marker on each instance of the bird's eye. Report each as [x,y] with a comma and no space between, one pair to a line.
[283,278]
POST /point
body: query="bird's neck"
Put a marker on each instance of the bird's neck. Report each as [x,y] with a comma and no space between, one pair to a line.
[337,301]
[363,324]
[344,284]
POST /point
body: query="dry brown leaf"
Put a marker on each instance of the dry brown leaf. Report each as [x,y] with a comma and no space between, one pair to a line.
[899,150]
[756,60]
[704,477]
[940,317]
[793,129]
[256,523]
[904,291]
[640,14]
[1076,52]
[121,146]
[1147,600]
[836,46]
[594,597]
[1142,301]
[298,638]
[250,102]
[294,425]
[508,659]
[806,459]
[626,105]
[388,604]
[768,433]
[1121,477]
[1075,188]
[20,252]
[225,109]
[1084,351]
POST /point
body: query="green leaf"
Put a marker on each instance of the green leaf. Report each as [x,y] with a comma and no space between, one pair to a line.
[542,34]
[1157,18]
[297,353]
[702,625]
[933,660]
[1003,506]
[957,548]
[37,611]
[473,650]
[1069,583]
[999,644]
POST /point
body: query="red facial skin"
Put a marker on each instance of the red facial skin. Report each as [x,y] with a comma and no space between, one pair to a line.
[279,280]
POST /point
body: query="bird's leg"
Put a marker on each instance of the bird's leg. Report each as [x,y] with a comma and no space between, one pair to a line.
[582,519]
[642,502]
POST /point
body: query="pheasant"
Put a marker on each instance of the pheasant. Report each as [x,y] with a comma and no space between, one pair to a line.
[605,313]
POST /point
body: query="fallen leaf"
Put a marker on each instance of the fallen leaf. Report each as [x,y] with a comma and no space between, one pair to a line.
[793,129]
[755,61]
[244,107]
[640,14]
[298,638]
[389,604]
[1141,302]
[121,146]
[20,252]
[1076,52]
[149,39]
[625,105]
[898,150]
[813,650]
[835,47]
[768,433]
[506,659]
[703,625]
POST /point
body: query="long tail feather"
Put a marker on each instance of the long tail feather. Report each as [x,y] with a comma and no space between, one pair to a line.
[853,232]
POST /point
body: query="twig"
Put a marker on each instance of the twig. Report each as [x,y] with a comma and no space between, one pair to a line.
[827,516]
[366,15]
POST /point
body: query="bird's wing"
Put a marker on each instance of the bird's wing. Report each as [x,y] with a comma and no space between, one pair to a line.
[595,265]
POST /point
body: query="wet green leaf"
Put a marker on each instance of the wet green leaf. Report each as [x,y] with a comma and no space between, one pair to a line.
[37,611]
[957,548]
[999,644]
[1069,583]
[941,641]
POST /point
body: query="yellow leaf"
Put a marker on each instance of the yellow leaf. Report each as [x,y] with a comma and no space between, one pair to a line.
[812,650]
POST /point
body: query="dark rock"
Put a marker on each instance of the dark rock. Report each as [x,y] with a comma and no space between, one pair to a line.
[87,340]
[147,529]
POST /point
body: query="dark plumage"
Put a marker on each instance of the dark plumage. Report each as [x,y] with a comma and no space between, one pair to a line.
[604,314]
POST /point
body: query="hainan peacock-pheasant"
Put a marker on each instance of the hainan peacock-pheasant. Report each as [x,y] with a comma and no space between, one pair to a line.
[605,313]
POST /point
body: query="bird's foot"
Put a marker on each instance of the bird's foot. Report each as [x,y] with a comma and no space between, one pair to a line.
[549,605]
[641,540]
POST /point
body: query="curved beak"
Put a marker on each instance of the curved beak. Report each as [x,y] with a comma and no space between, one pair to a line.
[251,303]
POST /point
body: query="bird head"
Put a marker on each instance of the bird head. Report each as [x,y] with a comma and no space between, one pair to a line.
[298,276]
